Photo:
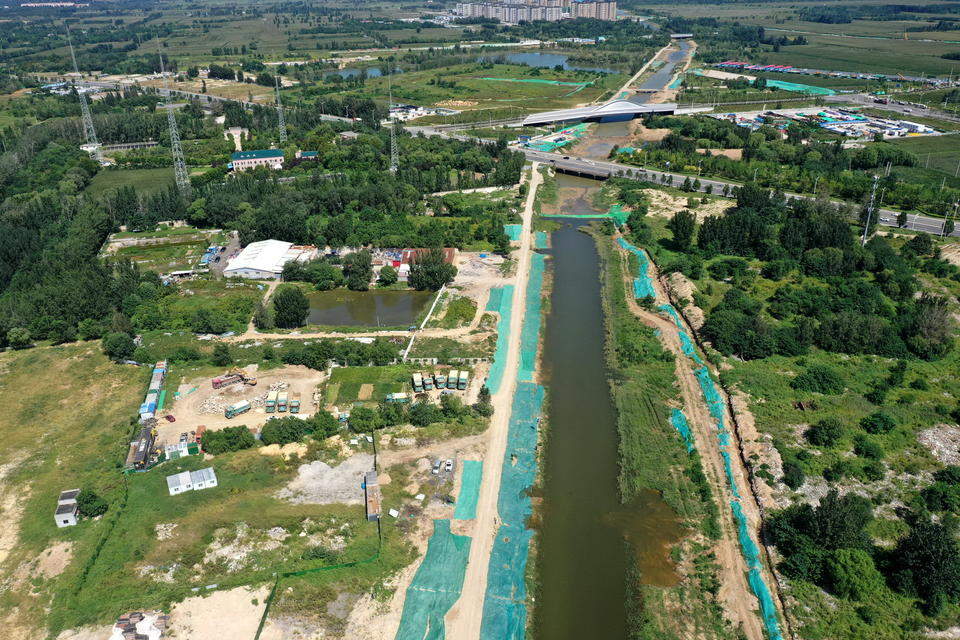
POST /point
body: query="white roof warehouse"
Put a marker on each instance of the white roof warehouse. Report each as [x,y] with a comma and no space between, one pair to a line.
[264,260]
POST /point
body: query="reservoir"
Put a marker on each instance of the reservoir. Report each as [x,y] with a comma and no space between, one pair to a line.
[345,308]
[589,541]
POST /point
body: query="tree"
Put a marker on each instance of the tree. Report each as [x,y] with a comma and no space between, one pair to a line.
[90,505]
[825,433]
[228,439]
[18,338]
[221,355]
[878,423]
[819,379]
[89,329]
[324,425]
[364,420]
[388,276]
[902,219]
[290,306]
[683,224]
[422,414]
[358,268]
[927,563]
[118,346]
[283,430]
[851,573]
[263,317]
[430,271]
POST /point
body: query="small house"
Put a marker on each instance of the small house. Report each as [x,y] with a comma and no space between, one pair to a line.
[66,512]
[203,479]
[179,482]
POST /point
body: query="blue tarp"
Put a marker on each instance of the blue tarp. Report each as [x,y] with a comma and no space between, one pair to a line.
[530,333]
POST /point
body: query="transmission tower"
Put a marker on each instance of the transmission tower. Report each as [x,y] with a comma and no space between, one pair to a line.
[866,224]
[179,166]
[88,131]
[280,120]
[394,157]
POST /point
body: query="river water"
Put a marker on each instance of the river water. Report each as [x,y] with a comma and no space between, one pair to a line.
[583,551]
[389,308]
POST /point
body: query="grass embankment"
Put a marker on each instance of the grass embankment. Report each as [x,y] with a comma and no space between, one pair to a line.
[68,424]
[652,457]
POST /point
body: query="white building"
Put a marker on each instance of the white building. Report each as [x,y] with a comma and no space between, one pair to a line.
[191,481]
[243,160]
[264,260]
[66,512]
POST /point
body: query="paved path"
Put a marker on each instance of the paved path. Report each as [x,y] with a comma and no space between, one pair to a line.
[466,616]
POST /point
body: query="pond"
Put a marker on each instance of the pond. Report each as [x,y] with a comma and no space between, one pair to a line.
[544,60]
[345,308]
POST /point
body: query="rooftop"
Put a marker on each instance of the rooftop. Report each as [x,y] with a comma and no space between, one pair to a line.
[203,475]
[70,507]
[70,495]
[256,154]
[268,255]
[178,480]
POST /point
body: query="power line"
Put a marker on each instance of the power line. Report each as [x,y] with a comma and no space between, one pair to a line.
[394,156]
[88,130]
[179,166]
[280,120]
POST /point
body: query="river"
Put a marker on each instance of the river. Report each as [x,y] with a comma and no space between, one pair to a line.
[583,556]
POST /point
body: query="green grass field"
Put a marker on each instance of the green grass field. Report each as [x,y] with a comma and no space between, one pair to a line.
[343,387]
[936,152]
[143,180]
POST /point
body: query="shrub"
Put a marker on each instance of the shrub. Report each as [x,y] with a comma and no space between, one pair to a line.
[877,422]
[851,573]
[867,448]
[825,433]
[819,379]
[221,355]
[793,475]
[118,346]
[90,505]
[228,439]
[283,430]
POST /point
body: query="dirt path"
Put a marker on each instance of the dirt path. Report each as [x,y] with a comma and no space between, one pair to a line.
[465,617]
[738,600]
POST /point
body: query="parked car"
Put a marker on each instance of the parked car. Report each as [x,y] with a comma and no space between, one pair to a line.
[170,418]
[436,467]
[448,466]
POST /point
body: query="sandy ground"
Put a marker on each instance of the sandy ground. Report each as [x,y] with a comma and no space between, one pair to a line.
[951,252]
[54,560]
[738,601]
[319,483]
[733,154]
[222,615]
[464,619]
[665,205]
[679,287]
[193,409]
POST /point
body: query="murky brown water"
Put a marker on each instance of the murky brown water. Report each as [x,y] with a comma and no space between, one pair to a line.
[588,539]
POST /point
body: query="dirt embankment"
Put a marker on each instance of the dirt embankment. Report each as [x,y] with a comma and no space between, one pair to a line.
[666,205]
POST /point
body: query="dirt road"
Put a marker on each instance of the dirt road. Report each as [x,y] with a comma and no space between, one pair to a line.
[465,617]
[739,603]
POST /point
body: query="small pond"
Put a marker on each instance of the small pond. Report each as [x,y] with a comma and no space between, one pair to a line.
[544,60]
[345,308]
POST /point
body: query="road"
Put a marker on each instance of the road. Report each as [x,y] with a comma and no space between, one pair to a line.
[466,616]
[603,169]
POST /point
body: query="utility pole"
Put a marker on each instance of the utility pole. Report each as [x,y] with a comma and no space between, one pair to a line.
[88,131]
[394,157]
[866,225]
[280,120]
[179,166]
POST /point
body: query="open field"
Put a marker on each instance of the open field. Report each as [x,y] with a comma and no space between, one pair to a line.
[143,180]
[347,383]
[941,153]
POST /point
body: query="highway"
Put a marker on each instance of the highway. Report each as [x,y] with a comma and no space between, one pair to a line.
[602,169]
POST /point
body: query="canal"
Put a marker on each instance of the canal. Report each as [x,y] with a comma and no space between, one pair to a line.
[589,541]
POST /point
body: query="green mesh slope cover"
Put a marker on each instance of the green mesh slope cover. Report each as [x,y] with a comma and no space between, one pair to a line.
[466,508]
[540,240]
[513,231]
[436,586]
[642,284]
[530,333]
[504,608]
[686,344]
[679,422]
[501,301]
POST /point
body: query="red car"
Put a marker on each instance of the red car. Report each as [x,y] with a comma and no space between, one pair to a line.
[170,418]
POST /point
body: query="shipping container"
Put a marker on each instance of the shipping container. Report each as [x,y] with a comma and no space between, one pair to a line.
[236,409]
[453,378]
[464,379]
[271,404]
[397,398]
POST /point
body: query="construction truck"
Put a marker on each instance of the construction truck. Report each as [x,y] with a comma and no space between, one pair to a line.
[200,431]
[271,404]
[427,383]
[462,382]
[295,403]
[282,402]
[453,379]
[417,383]
[236,409]
[232,377]
[441,380]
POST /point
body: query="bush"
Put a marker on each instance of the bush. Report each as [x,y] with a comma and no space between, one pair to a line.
[825,433]
[388,276]
[90,505]
[851,573]
[221,355]
[18,338]
[867,448]
[877,423]
[819,379]
[364,420]
[793,475]
[228,439]
[118,346]
[283,430]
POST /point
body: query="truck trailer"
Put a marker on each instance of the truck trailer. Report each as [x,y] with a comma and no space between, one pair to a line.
[295,403]
[282,399]
[464,379]
[236,409]
[453,378]
[417,383]
[271,404]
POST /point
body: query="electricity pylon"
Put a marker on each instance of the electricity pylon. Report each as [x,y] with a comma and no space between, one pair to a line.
[394,156]
[179,166]
[88,131]
[280,120]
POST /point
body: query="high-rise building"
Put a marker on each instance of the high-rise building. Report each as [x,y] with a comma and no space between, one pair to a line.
[598,10]
[530,10]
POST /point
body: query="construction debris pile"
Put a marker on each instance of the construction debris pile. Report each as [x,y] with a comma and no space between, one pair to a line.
[138,625]
[215,405]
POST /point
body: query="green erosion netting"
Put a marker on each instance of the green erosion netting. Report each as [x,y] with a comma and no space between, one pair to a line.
[751,552]
[501,301]
[802,88]
[686,344]
[513,231]
[676,82]
[679,422]
[540,240]
[567,135]
[618,215]
[504,606]
[530,333]
[642,284]
[161,399]
[466,508]
[436,585]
